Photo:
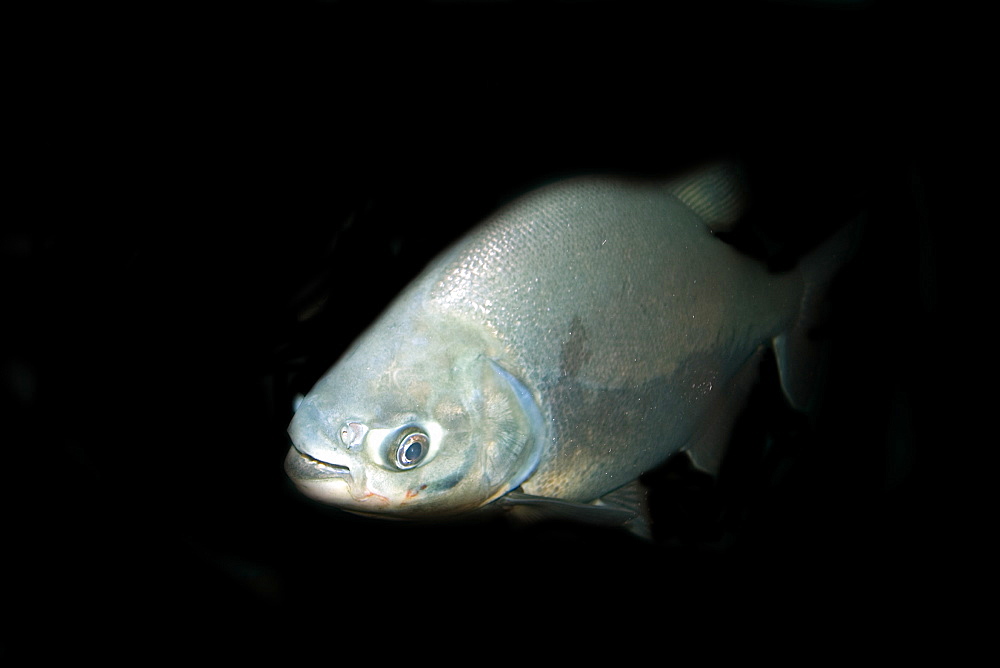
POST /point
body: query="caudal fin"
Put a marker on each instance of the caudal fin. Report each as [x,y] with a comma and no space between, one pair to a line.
[801,351]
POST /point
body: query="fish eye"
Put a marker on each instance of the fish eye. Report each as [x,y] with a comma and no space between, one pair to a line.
[412,448]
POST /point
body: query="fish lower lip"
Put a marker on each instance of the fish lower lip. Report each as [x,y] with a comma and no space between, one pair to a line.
[310,467]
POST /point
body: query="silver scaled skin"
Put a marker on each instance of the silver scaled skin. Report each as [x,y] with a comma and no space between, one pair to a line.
[577,338]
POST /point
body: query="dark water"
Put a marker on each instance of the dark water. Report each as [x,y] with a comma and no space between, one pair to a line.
[220,177]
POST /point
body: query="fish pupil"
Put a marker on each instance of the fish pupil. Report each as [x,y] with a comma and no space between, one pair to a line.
[412,452]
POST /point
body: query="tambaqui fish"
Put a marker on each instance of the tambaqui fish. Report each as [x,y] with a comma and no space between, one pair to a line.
[580,336]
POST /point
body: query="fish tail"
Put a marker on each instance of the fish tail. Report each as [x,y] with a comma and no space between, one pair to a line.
[802,350]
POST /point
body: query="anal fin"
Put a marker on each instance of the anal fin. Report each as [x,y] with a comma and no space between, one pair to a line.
[707,448]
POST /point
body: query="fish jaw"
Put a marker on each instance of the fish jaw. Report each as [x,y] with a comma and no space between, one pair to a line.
[330,484]
[318,480]
[322,470]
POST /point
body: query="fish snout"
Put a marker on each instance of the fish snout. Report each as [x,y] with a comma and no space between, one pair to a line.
[318,454]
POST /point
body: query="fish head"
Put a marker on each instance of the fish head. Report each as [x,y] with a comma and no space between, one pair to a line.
[417,420]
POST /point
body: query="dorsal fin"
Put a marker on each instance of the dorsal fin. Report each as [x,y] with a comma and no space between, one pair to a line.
[717,193]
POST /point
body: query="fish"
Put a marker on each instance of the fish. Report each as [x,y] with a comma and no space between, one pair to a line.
[580,336]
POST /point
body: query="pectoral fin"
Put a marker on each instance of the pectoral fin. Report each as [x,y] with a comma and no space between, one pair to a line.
[624,507]
[536,508]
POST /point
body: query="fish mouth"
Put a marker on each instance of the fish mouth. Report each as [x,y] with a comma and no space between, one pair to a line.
[301,465]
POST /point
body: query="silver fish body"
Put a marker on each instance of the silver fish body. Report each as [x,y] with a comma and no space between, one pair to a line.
[577,338]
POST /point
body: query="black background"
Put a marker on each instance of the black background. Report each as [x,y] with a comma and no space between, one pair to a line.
[194,183]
